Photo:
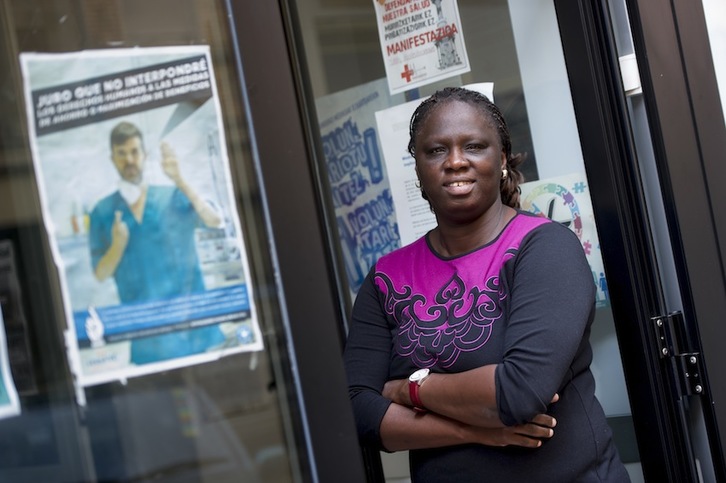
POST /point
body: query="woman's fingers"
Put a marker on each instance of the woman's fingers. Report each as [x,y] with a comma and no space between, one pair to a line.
[526,435]
[531,430]
[544,420]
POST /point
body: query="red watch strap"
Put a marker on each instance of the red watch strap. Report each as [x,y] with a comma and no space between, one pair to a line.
[415,399]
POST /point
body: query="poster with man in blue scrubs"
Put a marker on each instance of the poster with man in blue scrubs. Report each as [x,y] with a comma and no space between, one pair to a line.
[129,151]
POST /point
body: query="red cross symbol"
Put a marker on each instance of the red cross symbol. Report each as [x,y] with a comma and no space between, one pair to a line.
[407,73]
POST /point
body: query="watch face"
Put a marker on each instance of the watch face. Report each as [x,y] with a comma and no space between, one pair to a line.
[418,375]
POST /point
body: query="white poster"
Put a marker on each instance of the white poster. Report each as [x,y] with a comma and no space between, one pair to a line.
[129,151]
[361,192]
[566,200]
[413,212]
[9,402]
[421,40]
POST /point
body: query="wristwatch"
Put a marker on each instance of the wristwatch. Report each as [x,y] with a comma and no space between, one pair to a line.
[414,382]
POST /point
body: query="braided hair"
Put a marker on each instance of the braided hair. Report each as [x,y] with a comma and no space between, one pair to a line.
[509,186]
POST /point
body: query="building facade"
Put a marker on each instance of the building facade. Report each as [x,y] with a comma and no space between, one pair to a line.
[617,98]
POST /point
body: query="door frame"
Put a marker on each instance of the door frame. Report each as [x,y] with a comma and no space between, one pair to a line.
[689,138]
[299,244]
[682,140]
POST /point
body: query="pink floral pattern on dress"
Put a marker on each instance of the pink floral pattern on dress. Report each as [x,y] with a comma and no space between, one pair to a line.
[436,331]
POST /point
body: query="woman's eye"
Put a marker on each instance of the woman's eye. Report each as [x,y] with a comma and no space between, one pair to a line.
[475,147]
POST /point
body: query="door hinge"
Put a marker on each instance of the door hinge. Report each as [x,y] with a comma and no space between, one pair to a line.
[674,346]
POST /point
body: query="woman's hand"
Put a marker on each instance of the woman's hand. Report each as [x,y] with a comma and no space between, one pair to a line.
[403,428]
[529,435]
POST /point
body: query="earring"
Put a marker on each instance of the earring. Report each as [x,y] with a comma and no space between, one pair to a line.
[505,173]
[418,183]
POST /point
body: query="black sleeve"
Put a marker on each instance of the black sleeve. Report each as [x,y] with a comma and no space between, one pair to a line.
[552,304]
[367,358]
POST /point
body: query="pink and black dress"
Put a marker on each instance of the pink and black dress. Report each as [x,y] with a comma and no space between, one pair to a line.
[524,301]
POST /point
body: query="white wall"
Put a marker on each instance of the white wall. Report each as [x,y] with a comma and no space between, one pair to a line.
[715,11]
[546,88]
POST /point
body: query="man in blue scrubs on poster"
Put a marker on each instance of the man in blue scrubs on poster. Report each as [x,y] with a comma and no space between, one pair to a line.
[143,235]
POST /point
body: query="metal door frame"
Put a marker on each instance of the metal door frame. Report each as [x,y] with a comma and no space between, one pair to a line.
[682,102]
[299,243]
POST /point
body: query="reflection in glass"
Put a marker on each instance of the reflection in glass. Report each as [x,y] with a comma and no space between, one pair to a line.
[225,420]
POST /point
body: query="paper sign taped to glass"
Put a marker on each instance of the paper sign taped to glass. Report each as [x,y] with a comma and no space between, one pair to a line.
[422,42]
[566,199]
[129,151]
[361,193]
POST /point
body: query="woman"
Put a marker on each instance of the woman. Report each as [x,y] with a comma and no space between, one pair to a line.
[495,305]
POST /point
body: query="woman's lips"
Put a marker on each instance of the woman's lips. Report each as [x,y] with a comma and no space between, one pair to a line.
[459,187]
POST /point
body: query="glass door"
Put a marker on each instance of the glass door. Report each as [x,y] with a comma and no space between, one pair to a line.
[195,384]
[515,46]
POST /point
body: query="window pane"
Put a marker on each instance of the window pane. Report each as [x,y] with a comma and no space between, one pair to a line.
[515,45]
[221,420]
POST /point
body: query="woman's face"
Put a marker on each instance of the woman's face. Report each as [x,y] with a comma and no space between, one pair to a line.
[459,160]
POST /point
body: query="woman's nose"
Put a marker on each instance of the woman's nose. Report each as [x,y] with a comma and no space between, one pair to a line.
[456,159]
